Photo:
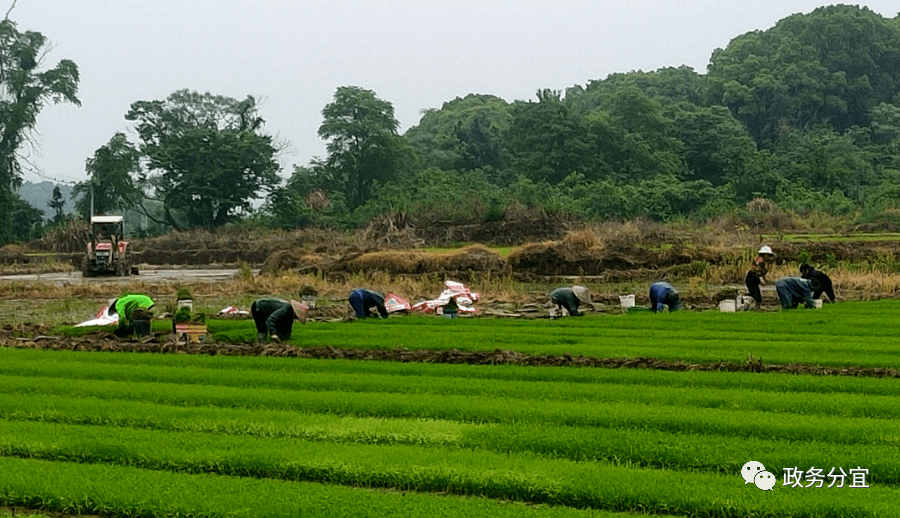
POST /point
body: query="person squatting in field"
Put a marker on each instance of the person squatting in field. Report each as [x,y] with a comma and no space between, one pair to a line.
[125,306]
[571,298]
[275,317]
[794,290]
[663,294]
[825,285]
[364,301]
[758,270]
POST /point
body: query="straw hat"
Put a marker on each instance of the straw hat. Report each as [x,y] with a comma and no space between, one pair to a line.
[766,250]
[299,310]
[582,293]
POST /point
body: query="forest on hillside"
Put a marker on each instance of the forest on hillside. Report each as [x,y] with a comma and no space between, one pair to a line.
[804,115]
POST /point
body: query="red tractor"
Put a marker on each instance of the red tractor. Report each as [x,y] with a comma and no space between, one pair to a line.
[107,253]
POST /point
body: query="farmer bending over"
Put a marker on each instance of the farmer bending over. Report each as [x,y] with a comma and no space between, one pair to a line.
[794,290]
[571,298]
[825,285]
[125,307]
[364,301]
[275,318]
[663,294]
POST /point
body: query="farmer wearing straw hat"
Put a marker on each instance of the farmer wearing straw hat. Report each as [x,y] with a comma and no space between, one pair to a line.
[758,270]
[571,298]
[275,318]
[363,301]
[662,295]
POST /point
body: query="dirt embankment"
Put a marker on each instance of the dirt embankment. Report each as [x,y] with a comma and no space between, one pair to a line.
[546,246]
[10,336]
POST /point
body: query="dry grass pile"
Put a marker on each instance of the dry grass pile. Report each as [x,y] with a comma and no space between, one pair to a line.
[626,235]
[518,225]
[396,262]
[764,216]
[296,259]
[70,237]
[587,252]
[474,258]
[388,231]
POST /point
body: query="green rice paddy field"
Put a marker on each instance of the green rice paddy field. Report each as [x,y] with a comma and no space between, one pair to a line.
[153,435]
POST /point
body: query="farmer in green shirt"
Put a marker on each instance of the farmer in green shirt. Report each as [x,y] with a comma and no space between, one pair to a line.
[275,318]
[125,306]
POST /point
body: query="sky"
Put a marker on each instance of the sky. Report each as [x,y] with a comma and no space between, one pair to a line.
[292,55]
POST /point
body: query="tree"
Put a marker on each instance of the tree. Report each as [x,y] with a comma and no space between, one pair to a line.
[717,148]
[465,134]
[24,90]
[206,154]
[26,221]
[828,66]
[57,203]
[547,140]
[113,170]
[364,149]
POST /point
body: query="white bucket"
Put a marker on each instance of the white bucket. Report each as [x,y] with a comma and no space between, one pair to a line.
[627,301]
[185,303]
[818,303]
[726,306]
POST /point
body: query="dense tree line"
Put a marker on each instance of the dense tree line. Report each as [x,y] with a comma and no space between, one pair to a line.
[805,114]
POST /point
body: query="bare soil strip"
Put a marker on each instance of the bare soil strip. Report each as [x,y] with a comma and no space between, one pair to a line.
[11,337]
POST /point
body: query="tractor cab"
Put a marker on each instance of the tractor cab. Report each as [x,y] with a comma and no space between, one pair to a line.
[107,252]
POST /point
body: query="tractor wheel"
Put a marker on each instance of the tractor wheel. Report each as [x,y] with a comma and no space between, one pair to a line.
[123,267]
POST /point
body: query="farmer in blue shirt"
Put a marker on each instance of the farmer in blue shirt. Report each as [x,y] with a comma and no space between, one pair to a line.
[664,294]
[363,301]
[794,290]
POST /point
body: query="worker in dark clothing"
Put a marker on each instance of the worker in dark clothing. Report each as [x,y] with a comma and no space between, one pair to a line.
[794,290]
[757,273]
[663,294]
[825,285]
[275,318]
[364,301]
[571,298]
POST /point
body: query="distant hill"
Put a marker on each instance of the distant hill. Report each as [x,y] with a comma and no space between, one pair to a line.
[38,194]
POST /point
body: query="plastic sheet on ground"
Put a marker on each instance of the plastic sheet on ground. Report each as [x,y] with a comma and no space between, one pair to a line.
[232,310]
[394,303]
[103,318]
[462,293]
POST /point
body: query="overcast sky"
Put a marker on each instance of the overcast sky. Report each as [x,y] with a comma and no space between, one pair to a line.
[417,54]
